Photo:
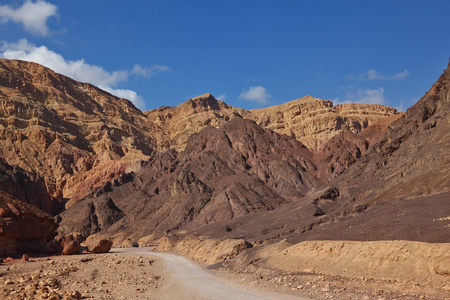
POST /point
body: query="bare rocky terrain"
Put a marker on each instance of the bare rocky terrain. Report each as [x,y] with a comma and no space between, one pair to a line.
[139,274]
[306,198]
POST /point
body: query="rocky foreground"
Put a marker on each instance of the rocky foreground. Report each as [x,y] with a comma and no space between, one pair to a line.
[142,276]
[97,276]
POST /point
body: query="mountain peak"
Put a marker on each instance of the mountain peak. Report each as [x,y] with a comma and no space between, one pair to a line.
[205,102]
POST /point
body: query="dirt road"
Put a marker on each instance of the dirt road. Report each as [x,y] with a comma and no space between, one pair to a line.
[187,280]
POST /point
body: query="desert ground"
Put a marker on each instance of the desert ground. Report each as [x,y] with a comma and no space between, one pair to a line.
[143,273]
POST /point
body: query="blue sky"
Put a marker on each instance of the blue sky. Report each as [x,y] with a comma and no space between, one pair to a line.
[248,53]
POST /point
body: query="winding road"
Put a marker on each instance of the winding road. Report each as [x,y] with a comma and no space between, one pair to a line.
[188,280]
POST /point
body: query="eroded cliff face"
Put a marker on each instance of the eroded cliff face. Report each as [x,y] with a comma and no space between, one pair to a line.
[314,121]
[399,190]
[74,135]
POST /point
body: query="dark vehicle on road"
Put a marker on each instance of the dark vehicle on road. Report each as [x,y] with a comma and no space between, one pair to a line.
[135,244]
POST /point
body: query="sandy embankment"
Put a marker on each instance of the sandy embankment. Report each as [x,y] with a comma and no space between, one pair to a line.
[334,269]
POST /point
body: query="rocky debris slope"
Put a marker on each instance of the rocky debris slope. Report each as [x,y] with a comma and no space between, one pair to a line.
[23,227]
[73,135]
[224,173]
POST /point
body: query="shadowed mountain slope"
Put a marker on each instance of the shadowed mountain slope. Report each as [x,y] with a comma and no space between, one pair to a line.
[224,173]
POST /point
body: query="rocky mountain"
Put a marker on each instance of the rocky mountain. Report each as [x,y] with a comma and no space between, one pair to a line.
[243,181]
[180,122]
[77,137]
[399,190]
[223,173]
[127,174]
[73,135]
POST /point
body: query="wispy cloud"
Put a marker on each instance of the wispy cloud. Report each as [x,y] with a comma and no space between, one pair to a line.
[221,97]
[32,15]
[376,75]
[362,96]
[149,72]
[79,69]
[256,93]
[371,96]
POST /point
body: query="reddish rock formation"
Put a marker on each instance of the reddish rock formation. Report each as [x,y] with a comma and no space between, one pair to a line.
[23,227]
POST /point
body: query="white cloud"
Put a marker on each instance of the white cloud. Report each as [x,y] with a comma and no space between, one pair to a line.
[149,72]
[78,69]
[371,96]
[376,75]
[33,15]
[362,96]
[221,97]
[137,100]
[256,93]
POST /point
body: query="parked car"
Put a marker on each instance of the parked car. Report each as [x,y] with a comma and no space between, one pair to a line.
[135,244]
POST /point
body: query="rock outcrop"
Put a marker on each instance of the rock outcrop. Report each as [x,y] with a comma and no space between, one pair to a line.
[76,137]
[23,227]
[314,121]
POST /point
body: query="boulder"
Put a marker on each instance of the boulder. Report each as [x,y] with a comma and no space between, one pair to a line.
[71,247]
[53,247]
[99,245]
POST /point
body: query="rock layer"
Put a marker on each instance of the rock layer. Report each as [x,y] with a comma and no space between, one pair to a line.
[314,121]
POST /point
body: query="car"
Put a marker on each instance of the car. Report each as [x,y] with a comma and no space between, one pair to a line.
[135,244]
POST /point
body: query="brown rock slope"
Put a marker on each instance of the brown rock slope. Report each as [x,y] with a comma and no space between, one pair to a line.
[224,173]
[73,135]
[399,190]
